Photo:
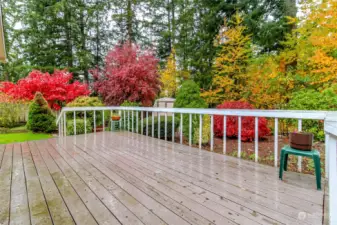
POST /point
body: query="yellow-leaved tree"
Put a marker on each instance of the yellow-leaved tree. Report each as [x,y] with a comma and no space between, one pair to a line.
[311,49]
[230,65]
[171,77]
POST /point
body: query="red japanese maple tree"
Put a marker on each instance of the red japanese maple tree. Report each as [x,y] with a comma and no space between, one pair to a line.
[56,88]
[129,74]
[247,123]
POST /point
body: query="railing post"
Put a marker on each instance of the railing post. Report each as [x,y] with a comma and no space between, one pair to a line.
[65,123]
[128,120]
[132,114]
[137,115]
[103,120]
[256,139]
[142,122]
[94,121]
[110,119]
[60,127]
[152,125]
[276,142]
[147,123]
[124,118]
[190,130]
[173,133]
[74,122]
[224,134]
[200,130]
[239,137]
[165,126]
[212,135]
[85,122]
[159,125]
[120,120]
[299,162]
[327,136]
[332,179]
[181,128]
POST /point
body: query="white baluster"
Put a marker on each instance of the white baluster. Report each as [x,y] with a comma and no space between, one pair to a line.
[94,121]
[103,120]
[224,135]
[181,128]
[132,121]
[239,137]
[152,129]
[142,122]
[200,130]
[212,133]
[173,133]
[299,162]
[85,122]
[159,125]
[165,126]
[147,123]
[137,121]
[327,136]
[65,123]
[74,122]
[256,139]
[128,120]
[190,130]
[276,142]
[124,118]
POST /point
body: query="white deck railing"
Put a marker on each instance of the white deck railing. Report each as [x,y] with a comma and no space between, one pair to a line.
[329,118]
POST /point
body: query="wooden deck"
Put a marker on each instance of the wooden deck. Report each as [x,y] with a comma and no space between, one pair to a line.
[126,178]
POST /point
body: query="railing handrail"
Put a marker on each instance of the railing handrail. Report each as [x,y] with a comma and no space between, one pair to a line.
[287,114]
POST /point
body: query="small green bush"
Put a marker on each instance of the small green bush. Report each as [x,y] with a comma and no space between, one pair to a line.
[79,127]
[162,127]
[86,101]
[40,117]
[206,131]
[188,96]
[314,100]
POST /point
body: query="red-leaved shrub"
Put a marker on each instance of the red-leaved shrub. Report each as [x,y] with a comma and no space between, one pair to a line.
[247,123]
[56,88]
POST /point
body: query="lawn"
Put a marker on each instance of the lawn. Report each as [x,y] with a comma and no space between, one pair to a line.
[21,137]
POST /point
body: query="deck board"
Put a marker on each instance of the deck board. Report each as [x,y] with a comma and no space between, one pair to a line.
[127,178]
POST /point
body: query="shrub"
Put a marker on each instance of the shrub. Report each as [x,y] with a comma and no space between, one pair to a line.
[162,127]
[314,100]
[79,127]
[188,96]
[40,117]
[83,101]
[206,131]
[247,123]
[12,111]
[56,87]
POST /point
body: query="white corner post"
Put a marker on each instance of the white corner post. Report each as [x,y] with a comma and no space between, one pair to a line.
[276,142]
[212,132]
[299,162]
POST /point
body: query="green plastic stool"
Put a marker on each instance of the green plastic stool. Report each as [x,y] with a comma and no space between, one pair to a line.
[314,154]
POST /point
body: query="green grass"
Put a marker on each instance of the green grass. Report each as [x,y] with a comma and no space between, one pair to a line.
[21,137]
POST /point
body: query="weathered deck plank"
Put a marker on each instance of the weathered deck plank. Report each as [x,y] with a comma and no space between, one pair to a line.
[57,208]
[19,200]
[39,212]
[5,184]
[127,178]
[77,208]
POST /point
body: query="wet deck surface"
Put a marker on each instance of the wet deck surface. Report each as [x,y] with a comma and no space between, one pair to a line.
[126,178]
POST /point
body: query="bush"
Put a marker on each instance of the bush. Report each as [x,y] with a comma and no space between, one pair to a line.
[206,131]
[314,100]
[162,127]
[188,96]
[85,101]
[247,123]
[79,127]
[40,117]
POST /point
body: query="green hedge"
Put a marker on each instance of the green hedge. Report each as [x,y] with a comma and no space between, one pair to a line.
[162,127]
[79,127]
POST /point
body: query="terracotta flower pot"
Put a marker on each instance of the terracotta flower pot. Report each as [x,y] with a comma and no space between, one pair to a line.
[301,140]
[116,118]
